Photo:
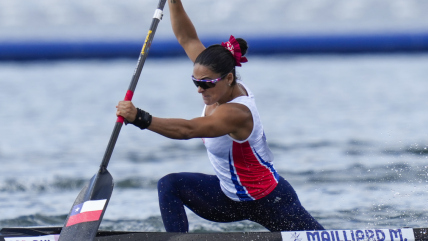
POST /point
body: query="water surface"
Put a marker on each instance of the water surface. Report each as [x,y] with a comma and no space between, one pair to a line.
[348,132]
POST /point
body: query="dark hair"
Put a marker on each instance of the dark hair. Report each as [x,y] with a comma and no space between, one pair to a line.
[220,60]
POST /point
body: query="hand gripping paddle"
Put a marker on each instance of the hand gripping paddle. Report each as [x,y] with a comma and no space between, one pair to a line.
[87,212]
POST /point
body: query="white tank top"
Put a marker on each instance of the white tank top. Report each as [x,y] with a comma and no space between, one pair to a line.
[245,168]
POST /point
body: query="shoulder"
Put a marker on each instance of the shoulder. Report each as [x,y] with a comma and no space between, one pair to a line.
[236,107]
[234,111]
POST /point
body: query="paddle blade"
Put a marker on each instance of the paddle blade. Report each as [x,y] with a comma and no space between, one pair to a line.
[87,212]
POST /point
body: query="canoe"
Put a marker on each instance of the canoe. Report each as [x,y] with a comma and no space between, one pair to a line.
[398,234]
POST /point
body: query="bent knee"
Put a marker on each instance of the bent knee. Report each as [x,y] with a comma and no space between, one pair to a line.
[169,182]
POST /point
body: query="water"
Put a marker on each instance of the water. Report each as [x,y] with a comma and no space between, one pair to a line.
[348,132]
[130,19]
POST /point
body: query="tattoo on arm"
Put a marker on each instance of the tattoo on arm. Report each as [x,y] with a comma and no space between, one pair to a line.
[173,1]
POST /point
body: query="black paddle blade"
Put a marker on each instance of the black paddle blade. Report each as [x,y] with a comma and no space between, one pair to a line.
[87,212]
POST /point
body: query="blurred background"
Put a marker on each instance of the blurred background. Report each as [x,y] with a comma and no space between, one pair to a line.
[128,19]
[348,131]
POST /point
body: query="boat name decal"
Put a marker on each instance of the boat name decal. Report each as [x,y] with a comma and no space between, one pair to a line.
[405,234]
[37,238]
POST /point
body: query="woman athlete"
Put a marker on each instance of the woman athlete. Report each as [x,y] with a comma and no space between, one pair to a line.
[246,185]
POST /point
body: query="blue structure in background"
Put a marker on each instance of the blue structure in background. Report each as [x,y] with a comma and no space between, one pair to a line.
[334,44]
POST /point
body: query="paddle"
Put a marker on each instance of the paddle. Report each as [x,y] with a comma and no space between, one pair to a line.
[87,212]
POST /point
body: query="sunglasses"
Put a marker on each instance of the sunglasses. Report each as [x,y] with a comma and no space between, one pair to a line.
[206,83]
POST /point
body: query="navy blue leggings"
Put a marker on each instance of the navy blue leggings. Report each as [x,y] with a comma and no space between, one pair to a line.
[279,211]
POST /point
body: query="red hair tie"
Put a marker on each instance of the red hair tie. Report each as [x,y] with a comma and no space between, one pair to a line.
[233,46]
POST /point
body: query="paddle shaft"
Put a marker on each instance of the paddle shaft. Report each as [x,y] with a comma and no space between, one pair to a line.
[128,97]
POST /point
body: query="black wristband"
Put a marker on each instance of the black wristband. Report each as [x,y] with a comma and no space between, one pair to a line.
[142,119]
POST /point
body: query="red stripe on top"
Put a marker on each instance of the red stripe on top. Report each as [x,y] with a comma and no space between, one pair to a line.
[128,97]
[255,177]
[84,217]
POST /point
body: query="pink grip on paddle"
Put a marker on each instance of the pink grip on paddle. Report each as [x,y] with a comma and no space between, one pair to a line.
[128,97]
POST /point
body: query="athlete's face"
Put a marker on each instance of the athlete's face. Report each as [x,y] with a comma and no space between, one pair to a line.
[217,93]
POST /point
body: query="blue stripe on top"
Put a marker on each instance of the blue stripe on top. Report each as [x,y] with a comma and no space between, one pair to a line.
[241,192]
[269,165]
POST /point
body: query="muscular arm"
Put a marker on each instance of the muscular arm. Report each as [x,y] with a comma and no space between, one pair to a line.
[232,119]
[184,30]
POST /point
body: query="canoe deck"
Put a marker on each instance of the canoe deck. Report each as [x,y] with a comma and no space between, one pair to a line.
[49,233]
[134,236]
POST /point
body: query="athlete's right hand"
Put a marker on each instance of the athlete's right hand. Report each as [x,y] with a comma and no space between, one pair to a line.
[127,110]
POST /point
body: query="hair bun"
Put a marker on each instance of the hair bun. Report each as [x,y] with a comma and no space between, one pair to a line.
[243,45]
